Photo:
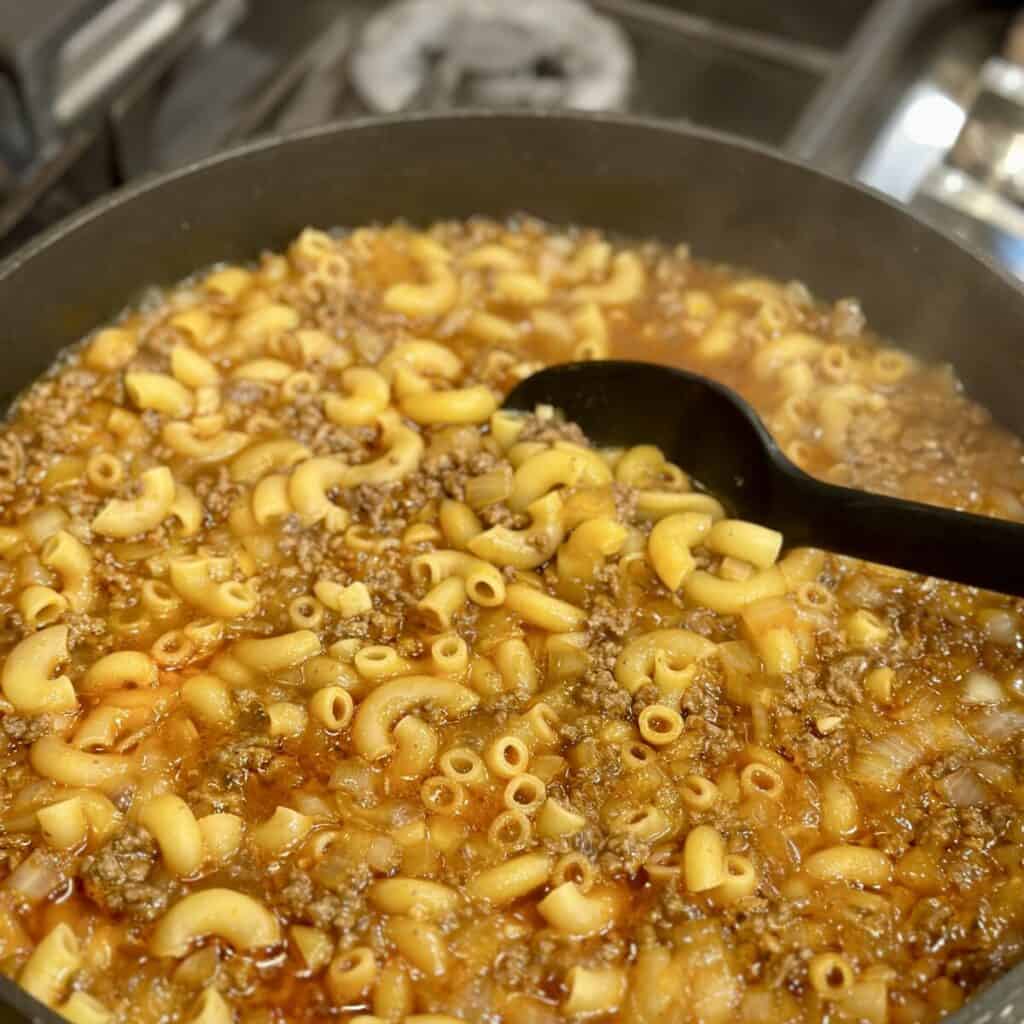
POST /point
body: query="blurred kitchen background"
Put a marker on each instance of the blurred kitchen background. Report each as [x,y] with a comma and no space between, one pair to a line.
[922,99]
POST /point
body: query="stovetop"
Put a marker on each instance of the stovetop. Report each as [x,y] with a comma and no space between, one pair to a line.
[920,98]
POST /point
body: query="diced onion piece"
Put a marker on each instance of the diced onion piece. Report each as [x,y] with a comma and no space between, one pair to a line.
[981,688]
[996,725]
[883,761]
[963,788]
[34,878]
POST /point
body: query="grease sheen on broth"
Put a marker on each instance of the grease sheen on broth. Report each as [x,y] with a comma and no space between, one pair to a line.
[515,759]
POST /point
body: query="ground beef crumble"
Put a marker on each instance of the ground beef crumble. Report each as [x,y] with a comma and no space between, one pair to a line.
[331,897]
[25,729]
[123,876]
[602,692]
[235,763]
[550,429]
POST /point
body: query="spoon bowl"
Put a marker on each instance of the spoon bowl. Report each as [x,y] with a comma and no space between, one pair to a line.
[711,432]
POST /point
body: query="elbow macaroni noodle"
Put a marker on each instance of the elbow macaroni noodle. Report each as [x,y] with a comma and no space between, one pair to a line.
[328,687]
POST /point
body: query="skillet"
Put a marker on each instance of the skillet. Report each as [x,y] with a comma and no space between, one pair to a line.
[732,201]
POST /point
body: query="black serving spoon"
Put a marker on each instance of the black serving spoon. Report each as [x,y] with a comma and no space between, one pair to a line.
[712,433]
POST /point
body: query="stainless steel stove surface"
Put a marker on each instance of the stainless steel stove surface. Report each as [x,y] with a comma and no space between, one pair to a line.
[921,98]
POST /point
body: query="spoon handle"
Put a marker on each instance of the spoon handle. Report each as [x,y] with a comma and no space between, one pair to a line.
[978,550]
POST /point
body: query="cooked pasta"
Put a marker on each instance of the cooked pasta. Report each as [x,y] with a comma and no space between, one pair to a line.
[332,692]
